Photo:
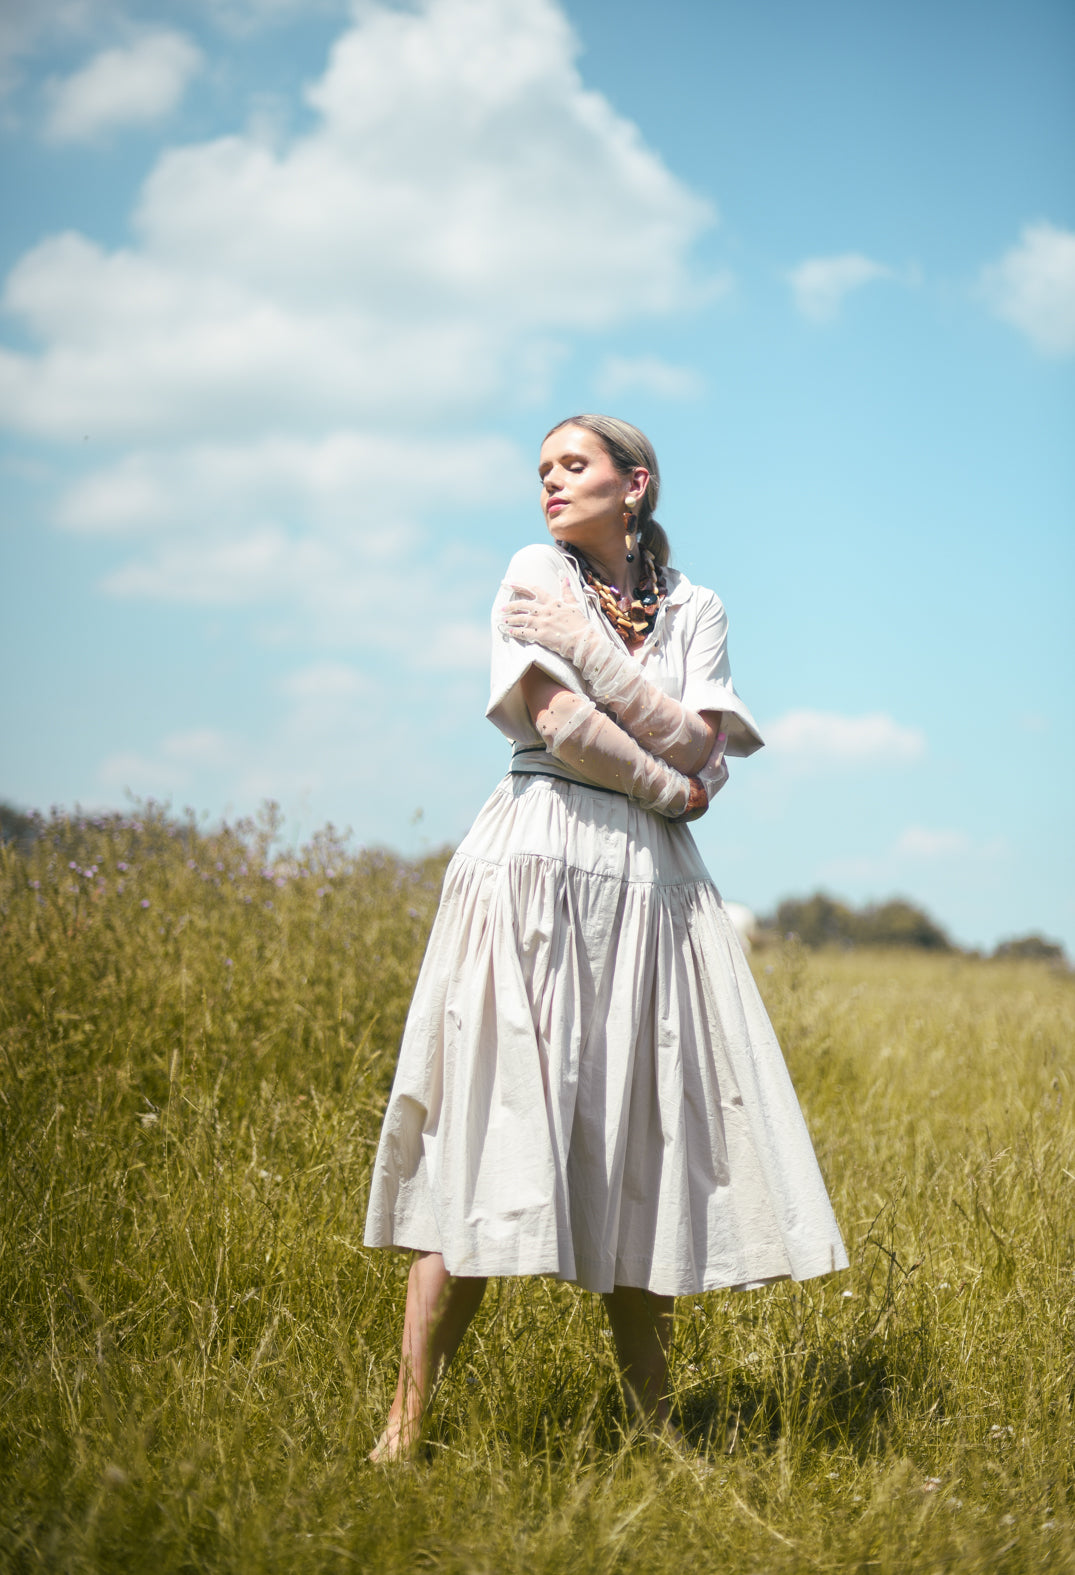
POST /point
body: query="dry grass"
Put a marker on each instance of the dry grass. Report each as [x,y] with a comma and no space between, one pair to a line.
[196,1350]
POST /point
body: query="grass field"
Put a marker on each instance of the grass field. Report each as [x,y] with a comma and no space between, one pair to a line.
[196,1352]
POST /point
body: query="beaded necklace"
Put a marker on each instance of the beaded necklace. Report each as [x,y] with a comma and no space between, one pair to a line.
[632,614]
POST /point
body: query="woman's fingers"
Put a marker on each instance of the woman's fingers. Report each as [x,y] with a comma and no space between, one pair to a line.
[539,618]
[697,803]
[520,618]
[517,620]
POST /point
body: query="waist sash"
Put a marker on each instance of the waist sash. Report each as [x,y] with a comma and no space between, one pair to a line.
[534,760]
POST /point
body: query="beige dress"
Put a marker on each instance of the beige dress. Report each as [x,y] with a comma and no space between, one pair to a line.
[588,1084]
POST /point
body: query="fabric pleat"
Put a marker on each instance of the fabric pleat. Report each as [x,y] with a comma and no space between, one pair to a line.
[588,1084]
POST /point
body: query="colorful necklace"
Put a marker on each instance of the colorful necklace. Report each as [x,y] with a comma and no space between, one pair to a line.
[632,614]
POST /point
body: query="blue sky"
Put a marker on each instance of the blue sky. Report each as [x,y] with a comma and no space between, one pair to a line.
[291,293]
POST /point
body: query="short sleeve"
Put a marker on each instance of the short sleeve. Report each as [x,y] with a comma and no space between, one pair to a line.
[540,568]
[708,685]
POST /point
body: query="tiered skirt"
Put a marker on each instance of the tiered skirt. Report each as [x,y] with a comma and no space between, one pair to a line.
[588,1084]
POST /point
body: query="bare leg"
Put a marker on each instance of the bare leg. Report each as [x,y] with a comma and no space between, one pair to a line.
[642,1331]
[439,1308]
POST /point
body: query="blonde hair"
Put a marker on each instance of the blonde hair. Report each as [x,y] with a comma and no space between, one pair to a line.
[628,448]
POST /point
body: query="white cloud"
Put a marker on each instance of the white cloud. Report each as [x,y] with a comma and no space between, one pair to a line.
[337,737]
[138,349]
[304,522]
[819,284]
[294,315]
[918,853]
[248,16]
[259,565]
[321,681]
[179,759]
[30,27]
[24,27]
[458,647]
[291,317]
[815,739]
[1033,287]
[130,85]
[647,374]
[921,842]
[358,483]
[458,205]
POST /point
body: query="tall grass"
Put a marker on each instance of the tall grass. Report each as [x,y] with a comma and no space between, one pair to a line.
[196,1352]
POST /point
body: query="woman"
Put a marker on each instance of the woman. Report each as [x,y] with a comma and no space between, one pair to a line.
[588,1085]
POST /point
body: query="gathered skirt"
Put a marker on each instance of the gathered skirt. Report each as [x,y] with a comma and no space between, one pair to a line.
[588,1084]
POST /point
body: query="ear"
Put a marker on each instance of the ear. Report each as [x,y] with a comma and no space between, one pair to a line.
[637,485]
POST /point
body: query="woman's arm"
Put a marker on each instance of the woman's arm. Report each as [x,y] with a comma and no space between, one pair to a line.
[714,772]
[591,743]
[664,727]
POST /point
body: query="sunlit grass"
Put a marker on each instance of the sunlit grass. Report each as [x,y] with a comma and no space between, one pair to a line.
[196,1351]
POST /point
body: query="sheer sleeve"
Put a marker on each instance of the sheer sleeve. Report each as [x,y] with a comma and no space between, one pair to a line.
[708,685]
[541,567]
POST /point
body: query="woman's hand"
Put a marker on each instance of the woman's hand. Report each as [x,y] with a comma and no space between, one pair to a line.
[697,804]
[540,619]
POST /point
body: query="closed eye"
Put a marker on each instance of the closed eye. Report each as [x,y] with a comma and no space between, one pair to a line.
[574,462]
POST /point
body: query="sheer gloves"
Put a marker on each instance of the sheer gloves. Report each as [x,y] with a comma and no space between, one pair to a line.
[592,744]
[609,674]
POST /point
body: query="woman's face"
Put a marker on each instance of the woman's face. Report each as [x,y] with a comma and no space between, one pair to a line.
[582,492]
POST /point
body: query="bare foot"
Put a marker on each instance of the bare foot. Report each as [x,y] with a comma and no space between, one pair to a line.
[654,1424]
[439,1308]
[666,1432]
[397,1444]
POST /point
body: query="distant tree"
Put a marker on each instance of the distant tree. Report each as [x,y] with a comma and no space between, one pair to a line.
[1034,947]
[16,827]
[899,923]
[817,921]
[822,921]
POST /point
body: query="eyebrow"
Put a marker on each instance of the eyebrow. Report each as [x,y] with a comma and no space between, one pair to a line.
[570,454]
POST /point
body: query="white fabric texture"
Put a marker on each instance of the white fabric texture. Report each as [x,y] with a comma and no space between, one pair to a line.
[588,1085]
[686,653]
[714,773]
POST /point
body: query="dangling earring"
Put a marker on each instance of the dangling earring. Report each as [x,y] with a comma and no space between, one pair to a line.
[630,529]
